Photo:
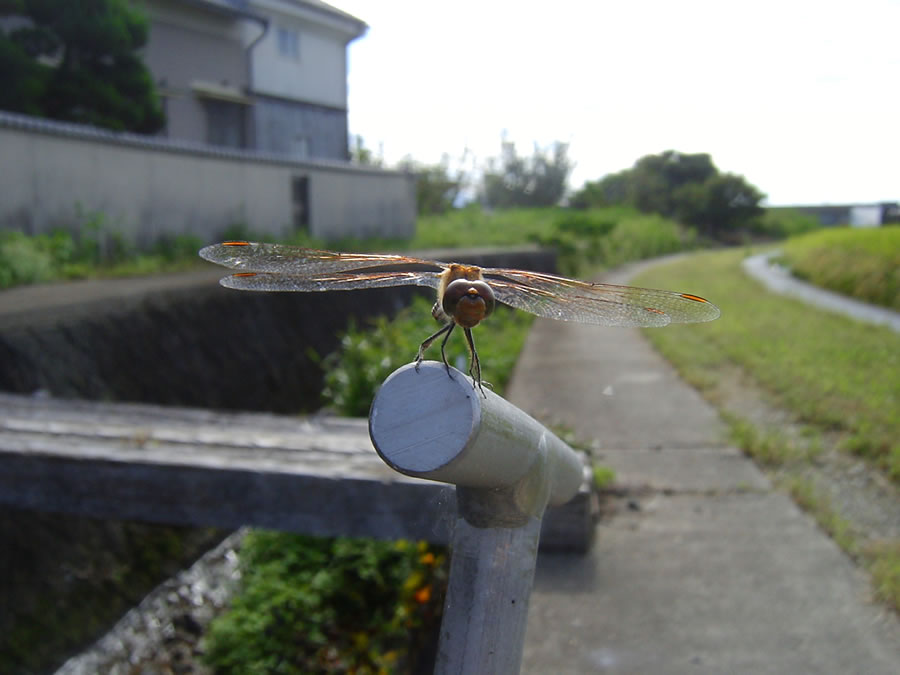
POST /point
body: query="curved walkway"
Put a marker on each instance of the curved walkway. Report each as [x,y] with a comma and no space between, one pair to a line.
[778,279]
[703,567]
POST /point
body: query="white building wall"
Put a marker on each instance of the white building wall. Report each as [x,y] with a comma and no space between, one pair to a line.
[318,75]
[865,215]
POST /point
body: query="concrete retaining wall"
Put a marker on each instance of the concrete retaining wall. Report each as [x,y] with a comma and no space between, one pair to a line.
[185,340]
[52,174]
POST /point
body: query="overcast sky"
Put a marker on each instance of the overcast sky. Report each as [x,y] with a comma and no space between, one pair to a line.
[801,97]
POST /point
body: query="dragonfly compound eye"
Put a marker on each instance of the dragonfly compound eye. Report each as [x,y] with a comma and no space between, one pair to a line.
[468,302]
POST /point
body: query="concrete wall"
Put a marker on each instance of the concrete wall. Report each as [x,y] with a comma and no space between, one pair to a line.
[51,172]
[219,348]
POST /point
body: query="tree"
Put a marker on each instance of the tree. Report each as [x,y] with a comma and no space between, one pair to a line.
[360,154]
[539,180]
[77,60]
[686,187]
[437,186]
[656,179]
[722,202]
[610,190]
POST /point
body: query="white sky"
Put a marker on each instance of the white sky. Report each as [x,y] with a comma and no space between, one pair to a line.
[802,97]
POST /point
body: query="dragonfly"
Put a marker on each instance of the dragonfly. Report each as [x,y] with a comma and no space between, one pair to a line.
[466,294]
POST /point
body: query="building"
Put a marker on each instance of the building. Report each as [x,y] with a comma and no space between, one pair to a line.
[855,215]
[269,75]
[255,93]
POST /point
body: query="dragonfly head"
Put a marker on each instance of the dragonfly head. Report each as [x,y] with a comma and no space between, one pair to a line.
[468,302]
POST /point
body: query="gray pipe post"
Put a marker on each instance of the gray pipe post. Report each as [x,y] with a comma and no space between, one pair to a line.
[507,468]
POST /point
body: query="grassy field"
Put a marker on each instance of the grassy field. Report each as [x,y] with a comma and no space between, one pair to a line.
[832,372]
[839,378]
[860,262]
[582,238]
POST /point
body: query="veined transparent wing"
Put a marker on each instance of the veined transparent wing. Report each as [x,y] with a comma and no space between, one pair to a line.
[294,260]
[604,304]
[341,281]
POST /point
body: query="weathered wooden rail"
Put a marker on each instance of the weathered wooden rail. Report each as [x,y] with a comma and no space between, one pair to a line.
[197,467]
[315,475]
[320,475]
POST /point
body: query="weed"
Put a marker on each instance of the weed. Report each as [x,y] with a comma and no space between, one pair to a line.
[818,504]
[769,448]
[603,476]
[883,561]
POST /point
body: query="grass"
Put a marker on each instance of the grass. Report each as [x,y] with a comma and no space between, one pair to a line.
[881,558]
[831,372]
[582,239]
[61,256]
[596,237]
[835,375]
[817,503]
[860,262]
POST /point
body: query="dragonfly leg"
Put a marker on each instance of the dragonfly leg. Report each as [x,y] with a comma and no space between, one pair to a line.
[475,363]
[448,328]
[444,345]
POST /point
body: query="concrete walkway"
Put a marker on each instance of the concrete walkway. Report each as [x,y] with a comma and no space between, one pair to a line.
[778,279]
[703,568]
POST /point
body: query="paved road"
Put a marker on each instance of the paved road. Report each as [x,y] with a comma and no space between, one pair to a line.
[709,570]
[778,279]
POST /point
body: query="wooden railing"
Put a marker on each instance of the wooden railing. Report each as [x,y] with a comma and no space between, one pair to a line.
[320,476]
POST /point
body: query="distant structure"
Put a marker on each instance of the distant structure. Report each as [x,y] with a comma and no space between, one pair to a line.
[266,75]
[855,215]
[255,95]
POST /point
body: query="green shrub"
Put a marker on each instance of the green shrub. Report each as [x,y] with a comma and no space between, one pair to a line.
[642,236]
[368,355]
[328,605]
[94,251]
[25,260]
[172,248]
[781,223]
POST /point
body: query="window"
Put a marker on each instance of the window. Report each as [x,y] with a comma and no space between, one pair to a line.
[225,124]
[288,43]
[299,147]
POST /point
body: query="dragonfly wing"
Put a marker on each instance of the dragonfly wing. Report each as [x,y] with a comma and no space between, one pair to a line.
[604,304]
[347,281]
[281,258]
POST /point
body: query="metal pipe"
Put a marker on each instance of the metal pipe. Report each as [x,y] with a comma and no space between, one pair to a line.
[507,467]
[426,424]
